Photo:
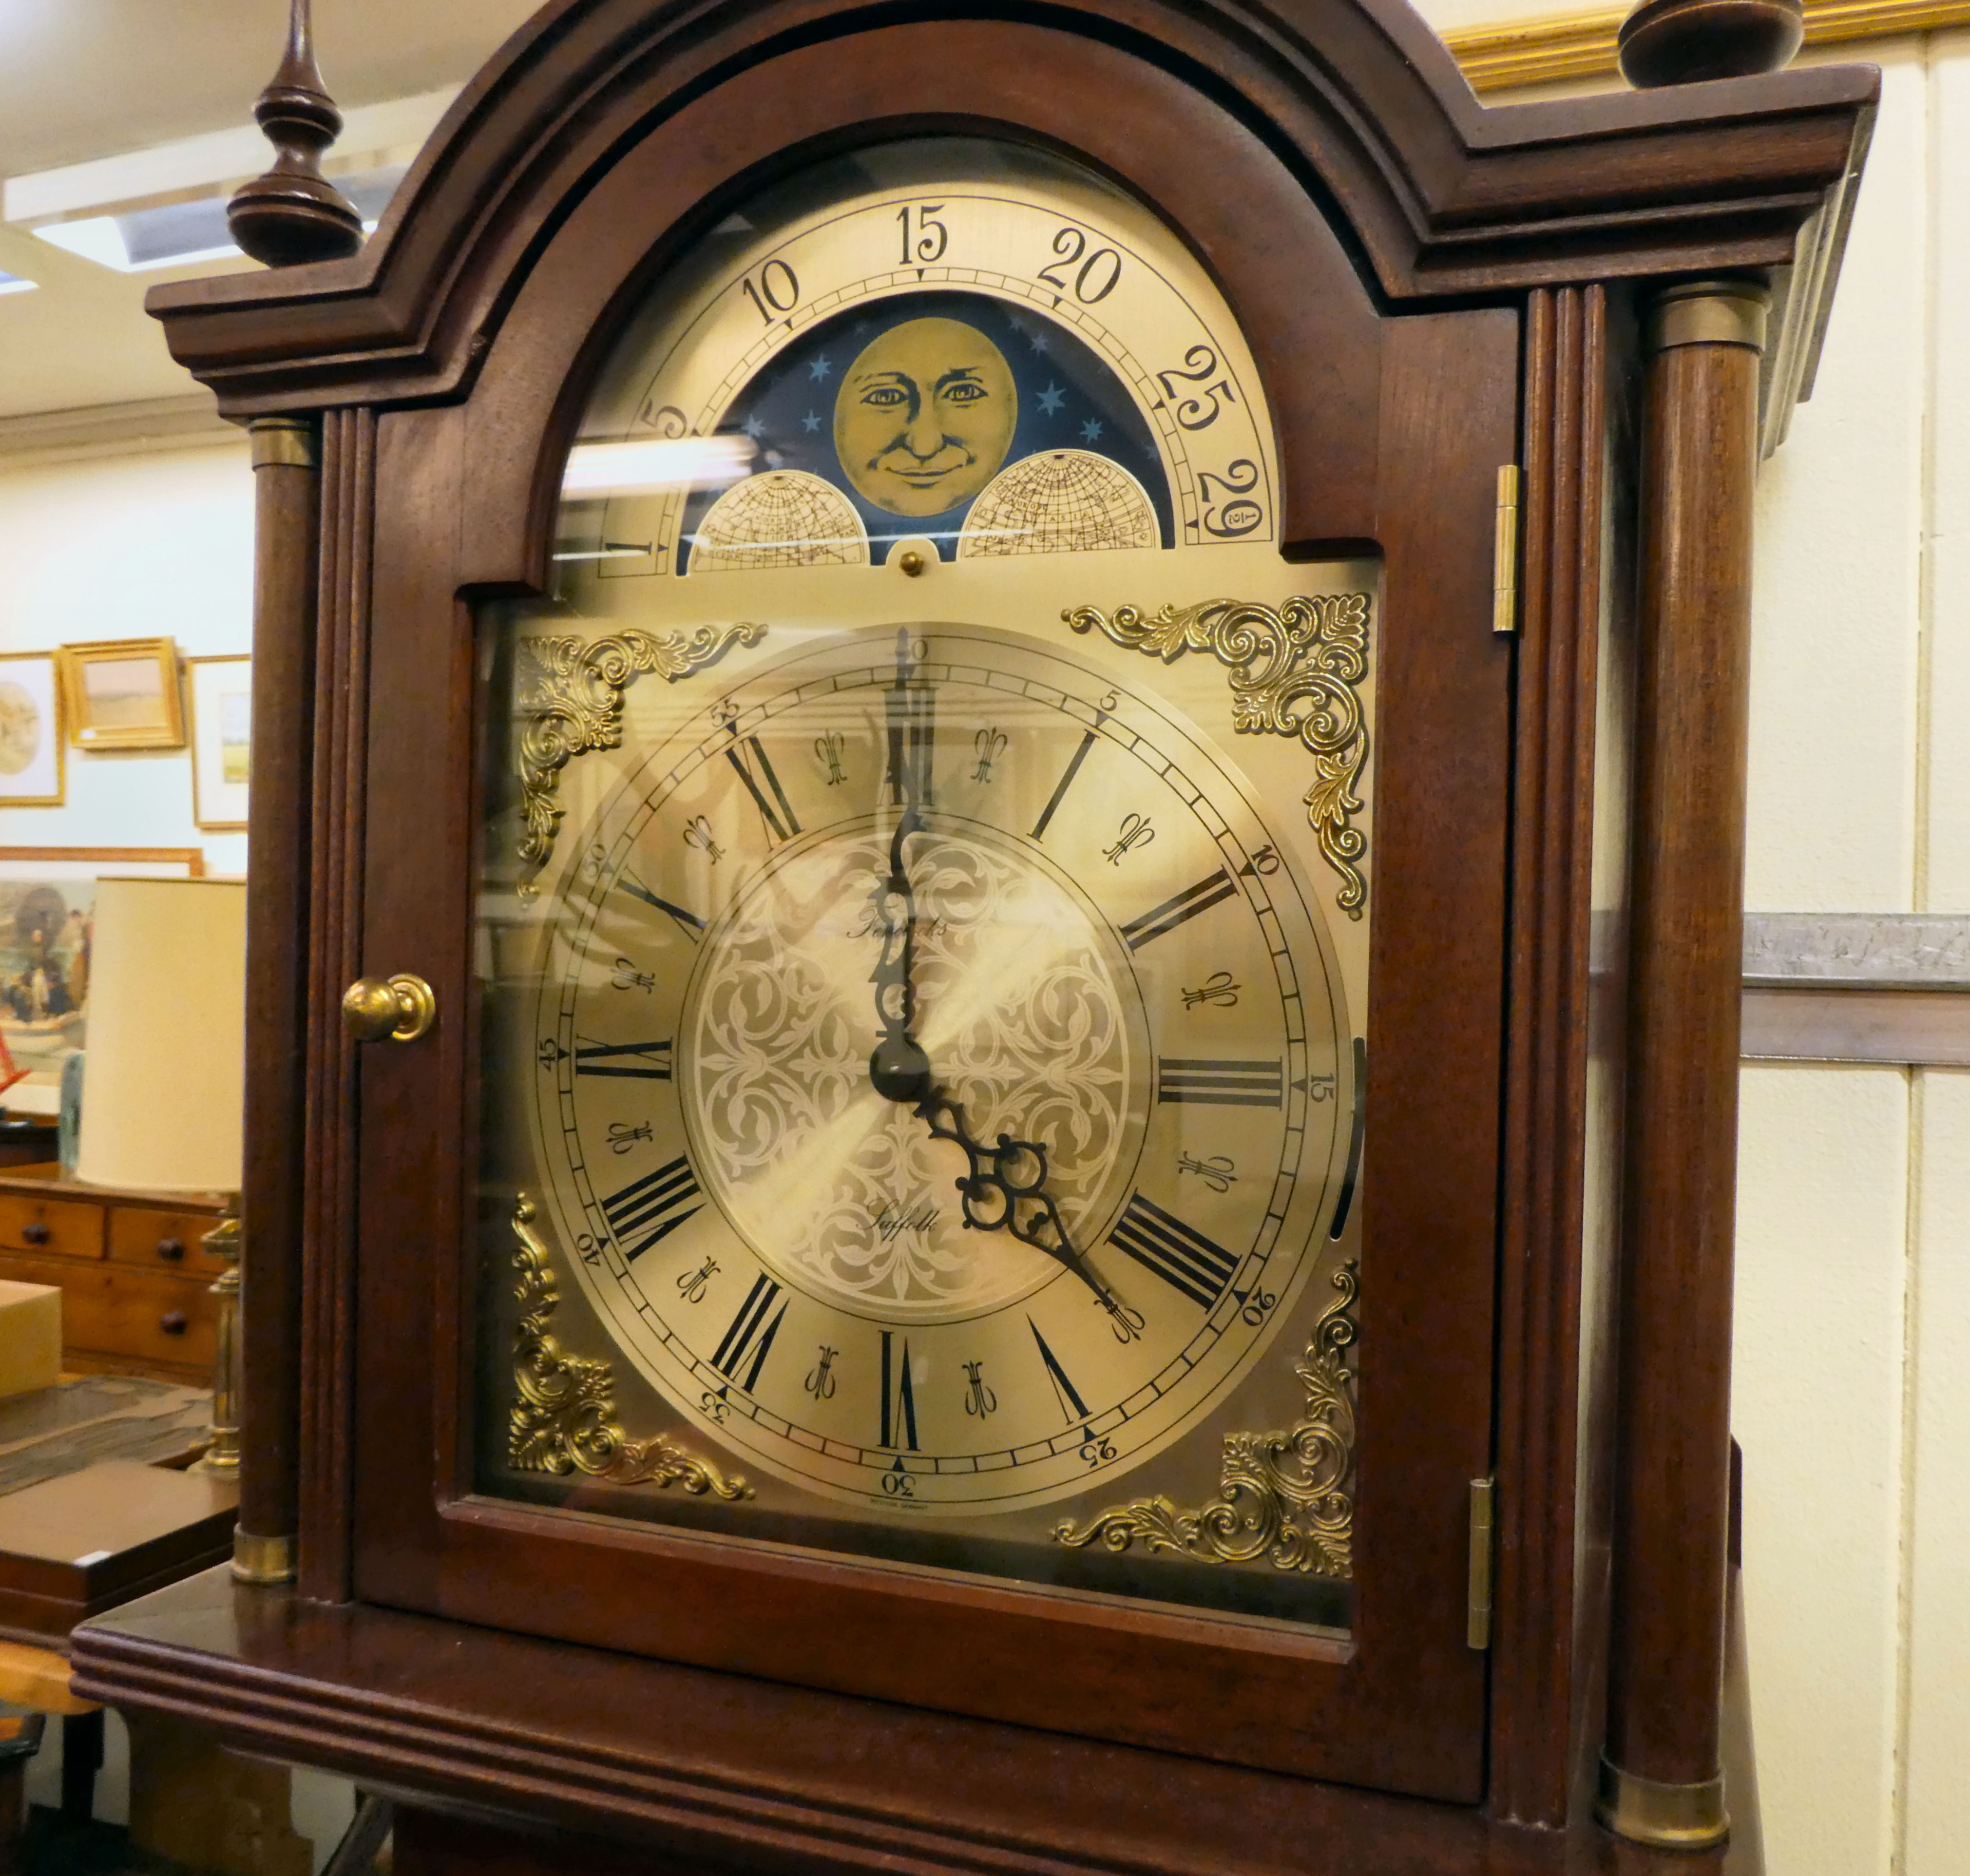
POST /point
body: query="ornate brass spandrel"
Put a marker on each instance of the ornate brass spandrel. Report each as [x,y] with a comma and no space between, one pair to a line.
[563,1420]
[1295,671]
[1287,1498]
[570,701]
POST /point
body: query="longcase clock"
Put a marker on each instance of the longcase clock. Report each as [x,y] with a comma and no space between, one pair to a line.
[963,697]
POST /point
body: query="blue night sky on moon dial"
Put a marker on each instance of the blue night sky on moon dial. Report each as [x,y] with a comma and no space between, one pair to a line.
[1067,396]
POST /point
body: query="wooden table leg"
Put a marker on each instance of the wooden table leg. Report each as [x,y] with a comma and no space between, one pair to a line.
[20,1740]
[82,1759]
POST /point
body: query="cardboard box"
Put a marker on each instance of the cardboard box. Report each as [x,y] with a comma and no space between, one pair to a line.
[30,1330]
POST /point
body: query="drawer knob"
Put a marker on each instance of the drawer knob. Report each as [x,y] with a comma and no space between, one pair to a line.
[173,1322]
[35,1231]
[171,1249]
[402,1008]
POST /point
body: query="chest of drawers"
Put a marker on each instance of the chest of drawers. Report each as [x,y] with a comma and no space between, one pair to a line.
[134,1275]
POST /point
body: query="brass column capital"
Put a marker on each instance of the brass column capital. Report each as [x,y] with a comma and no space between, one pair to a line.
[287,442]
[1707,312]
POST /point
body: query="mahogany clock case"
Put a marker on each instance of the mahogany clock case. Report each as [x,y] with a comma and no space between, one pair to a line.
[1424,304]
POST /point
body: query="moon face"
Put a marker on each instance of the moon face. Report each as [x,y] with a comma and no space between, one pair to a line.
[924,416]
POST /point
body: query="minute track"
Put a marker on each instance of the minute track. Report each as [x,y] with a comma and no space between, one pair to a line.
[1112,1391]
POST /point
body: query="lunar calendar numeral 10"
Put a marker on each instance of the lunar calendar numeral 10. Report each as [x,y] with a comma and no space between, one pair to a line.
[774,289]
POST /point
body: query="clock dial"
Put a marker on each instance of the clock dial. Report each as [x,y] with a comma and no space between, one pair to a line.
[926,918]
[1109,963]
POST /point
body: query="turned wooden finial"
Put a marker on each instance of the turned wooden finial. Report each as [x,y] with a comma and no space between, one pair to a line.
[294,213]
[1682,42]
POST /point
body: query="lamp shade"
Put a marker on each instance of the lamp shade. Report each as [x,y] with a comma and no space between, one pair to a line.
[161,1100]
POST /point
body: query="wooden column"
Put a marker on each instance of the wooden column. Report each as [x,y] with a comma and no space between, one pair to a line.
[287,512]
[1661,1782]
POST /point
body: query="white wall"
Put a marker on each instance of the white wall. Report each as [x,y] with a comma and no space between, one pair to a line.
[148,546]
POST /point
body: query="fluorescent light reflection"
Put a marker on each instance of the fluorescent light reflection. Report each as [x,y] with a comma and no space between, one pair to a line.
[647,468]
[13,283]
[176,234]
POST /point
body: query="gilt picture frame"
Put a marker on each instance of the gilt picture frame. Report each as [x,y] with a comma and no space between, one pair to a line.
[33,739]
[122,693]
[219,695]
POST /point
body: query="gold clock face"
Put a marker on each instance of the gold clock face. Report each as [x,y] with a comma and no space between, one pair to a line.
[926,907]
[1109,963]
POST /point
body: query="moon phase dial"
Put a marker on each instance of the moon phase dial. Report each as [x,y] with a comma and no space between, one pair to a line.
[1111,971]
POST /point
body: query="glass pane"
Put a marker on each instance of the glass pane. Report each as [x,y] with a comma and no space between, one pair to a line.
[924,916]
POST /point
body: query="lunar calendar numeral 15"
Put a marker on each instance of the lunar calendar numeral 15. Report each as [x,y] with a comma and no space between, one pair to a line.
[654,1205]
[924,239]
[747,1341]
[1164,1245]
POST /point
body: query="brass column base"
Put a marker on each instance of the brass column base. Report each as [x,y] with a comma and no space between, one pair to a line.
[262,1559]
[1668,1817]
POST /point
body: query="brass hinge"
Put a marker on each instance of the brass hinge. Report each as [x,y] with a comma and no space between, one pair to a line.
[1477,1610]
[1505,553]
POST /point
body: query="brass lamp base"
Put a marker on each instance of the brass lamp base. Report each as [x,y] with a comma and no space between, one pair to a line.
[1668,1817]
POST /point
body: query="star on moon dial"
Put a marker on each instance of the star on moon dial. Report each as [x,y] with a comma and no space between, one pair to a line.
[1114,979]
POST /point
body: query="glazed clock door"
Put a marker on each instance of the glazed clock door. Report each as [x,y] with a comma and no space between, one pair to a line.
[933,934]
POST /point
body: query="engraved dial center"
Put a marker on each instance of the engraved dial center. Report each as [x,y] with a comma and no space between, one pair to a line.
[1028,1013]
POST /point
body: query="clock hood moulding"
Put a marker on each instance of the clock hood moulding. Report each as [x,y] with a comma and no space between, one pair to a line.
[1359,98]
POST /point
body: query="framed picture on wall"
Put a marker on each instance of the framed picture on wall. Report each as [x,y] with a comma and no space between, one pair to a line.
[31,731]
[47,910]
[221,692]
[123,693]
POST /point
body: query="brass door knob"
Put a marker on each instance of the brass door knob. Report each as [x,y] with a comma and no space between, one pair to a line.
[401,1007]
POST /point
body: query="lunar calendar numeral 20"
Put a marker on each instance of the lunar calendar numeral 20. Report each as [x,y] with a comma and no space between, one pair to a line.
[654,1206]
[1183,1257]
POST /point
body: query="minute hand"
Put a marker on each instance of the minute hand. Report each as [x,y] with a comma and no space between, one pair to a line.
[996,1200]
